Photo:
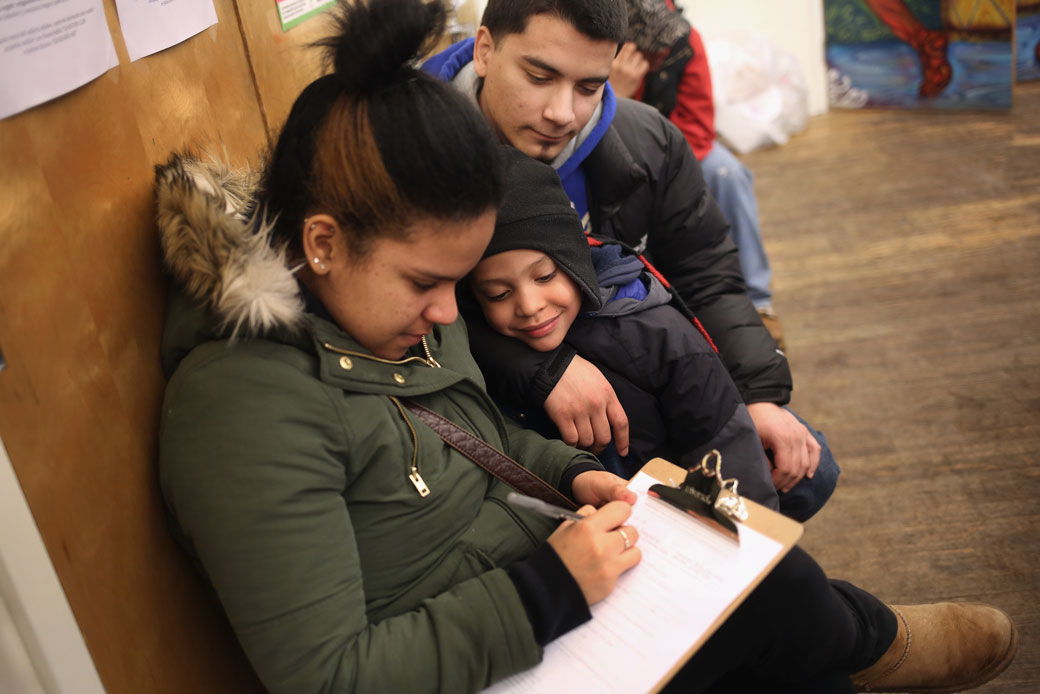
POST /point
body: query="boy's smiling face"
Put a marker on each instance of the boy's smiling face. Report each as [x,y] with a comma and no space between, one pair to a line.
[525,296]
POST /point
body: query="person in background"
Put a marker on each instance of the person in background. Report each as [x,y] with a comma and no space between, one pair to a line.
[663,63]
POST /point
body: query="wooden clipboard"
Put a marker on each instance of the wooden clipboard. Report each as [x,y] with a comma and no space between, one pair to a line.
[606,654]
[780,528]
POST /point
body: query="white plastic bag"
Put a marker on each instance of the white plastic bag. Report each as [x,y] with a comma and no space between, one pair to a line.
[761,97]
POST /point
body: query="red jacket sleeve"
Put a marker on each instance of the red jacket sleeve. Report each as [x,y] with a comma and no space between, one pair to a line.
[694,111]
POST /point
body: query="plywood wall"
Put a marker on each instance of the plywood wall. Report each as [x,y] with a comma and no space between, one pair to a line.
[81,309]
[283,63]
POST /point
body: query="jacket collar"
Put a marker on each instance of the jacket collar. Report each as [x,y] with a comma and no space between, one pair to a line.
[345,364]
[612,172]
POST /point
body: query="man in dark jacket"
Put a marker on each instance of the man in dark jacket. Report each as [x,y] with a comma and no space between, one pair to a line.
[538,70]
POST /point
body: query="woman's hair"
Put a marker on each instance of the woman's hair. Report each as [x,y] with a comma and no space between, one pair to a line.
[377,143]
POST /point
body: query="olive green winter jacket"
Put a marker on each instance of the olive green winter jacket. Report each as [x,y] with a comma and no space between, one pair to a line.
[285,458]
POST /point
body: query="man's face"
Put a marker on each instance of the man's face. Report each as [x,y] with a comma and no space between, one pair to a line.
[541,86]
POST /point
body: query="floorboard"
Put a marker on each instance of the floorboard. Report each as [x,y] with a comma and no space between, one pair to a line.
[906,258]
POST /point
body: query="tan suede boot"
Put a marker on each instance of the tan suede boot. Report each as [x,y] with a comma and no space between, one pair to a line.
[945,647]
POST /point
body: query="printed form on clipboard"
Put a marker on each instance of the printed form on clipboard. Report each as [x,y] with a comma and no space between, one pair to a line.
[691,577]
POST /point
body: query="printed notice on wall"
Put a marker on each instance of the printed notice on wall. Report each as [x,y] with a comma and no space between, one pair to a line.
[48,48]
[149,26]
[292,12]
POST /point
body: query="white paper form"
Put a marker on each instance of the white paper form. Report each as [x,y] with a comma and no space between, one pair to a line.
[688,576]
[149,26]
[48,48]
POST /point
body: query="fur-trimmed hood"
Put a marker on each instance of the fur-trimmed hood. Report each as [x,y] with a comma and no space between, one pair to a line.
[218,251]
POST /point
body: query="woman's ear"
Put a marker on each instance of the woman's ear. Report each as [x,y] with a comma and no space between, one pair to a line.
[322,242]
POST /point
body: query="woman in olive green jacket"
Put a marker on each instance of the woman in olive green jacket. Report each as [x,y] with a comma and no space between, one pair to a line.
[351,549]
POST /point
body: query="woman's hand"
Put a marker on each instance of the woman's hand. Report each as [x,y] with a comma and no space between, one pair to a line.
[597,487]
[598,549]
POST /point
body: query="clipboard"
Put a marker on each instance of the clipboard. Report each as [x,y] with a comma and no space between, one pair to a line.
[773,525]
[691,579]
[707,496]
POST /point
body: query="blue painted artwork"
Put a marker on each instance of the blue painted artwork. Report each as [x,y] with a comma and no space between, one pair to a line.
[1027,42]
[920,53]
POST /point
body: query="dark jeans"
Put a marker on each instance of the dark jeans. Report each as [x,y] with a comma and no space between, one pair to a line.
[796,632]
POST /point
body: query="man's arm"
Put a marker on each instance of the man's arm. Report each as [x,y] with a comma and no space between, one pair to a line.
[688,240]
[585,409]
[513,371]
[573,392]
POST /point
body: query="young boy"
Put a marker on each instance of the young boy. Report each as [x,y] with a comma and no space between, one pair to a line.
[540,283]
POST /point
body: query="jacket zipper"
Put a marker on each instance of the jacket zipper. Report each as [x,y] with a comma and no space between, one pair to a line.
[413,473]
[429,355]
[428,360]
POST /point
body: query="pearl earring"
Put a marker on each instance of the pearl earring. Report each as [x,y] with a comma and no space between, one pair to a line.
[316,261]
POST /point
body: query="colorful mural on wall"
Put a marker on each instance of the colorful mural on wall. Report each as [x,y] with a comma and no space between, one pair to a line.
[1027,41]
[920,53]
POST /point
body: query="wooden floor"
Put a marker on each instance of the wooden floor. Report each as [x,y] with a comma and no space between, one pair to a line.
[906,256]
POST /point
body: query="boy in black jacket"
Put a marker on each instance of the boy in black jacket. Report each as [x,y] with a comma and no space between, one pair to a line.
[541,283]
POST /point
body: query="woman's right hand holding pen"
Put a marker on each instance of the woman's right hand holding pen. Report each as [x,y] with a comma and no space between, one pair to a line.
[598,549]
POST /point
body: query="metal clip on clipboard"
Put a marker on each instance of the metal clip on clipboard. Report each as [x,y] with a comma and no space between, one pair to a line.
[707,496]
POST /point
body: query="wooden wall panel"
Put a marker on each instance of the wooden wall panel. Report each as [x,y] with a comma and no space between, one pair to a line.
[80,320]
[81,307]
[282,63]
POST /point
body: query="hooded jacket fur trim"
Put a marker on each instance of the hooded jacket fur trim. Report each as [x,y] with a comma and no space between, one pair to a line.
[220,252]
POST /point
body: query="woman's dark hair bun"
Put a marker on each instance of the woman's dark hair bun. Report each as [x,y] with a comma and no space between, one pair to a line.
[376,42]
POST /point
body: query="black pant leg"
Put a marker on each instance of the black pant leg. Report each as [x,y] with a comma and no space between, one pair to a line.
[796,627]
[743,683]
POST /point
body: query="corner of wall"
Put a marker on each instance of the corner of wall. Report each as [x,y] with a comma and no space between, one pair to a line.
[53,655]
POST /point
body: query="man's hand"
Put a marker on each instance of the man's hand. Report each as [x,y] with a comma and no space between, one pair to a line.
[597,487]
[585,409]
[796,454]
[629,68]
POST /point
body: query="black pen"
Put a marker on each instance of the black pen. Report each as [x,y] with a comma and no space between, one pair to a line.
[542,507]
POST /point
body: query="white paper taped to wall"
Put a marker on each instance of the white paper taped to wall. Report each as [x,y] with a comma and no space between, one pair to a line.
[150,26]
[49,48]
